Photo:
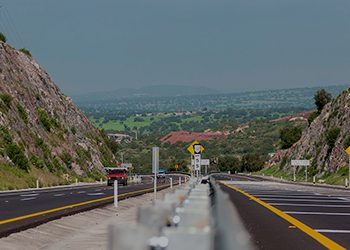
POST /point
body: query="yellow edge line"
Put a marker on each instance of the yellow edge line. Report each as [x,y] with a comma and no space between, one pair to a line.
[328,243]
[73,206]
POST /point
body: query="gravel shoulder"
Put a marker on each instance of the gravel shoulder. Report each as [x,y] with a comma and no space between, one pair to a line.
[86,230]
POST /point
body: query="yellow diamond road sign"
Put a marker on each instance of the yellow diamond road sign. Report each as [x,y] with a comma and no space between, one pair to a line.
[348,150]
[191,147]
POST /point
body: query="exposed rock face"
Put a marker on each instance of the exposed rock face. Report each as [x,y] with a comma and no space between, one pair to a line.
[313,144]
[44,123]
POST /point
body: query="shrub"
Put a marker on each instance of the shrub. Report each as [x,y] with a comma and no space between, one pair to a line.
[7,99]
[289,136]
[313,116]
[22,113]
[47,122]
[3,37]
[67,159]
[26,52]
[17,156]
[332,136]
[252,162]
[347,142]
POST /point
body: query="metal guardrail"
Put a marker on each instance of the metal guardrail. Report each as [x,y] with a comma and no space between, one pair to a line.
[230,234]
[185,219]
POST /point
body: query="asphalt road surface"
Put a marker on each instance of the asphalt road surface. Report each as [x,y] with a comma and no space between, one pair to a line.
[25,209]
[289,216]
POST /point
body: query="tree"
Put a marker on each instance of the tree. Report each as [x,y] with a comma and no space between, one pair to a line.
[2,37]
[252,162]
[322,97]
[289,136]
[229,163]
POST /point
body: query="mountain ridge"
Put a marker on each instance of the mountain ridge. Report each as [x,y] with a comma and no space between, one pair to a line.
[43,134]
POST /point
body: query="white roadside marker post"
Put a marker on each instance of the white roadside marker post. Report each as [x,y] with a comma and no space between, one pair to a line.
[314,179]
[346,182]
[171,183]
[155,168]
[180,181]
[76,181]
[37,184]
[115,193]
[100,180]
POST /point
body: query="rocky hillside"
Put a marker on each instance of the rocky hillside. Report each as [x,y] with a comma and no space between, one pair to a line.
[323,142]
[43,135]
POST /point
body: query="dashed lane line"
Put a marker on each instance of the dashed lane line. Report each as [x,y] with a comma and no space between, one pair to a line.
[28,199]
[328,243]
[282,199]
[307,205]
[28,195]
[317,213]
[333,231]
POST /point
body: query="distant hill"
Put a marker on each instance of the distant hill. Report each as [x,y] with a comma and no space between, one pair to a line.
[147,91]
[298,98]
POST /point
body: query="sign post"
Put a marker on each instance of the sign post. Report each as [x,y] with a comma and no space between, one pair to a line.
[206,164]
[196,150]
[348,152]
[155,168]
[303,163]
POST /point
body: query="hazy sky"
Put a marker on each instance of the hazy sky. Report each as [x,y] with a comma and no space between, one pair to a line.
[231,45]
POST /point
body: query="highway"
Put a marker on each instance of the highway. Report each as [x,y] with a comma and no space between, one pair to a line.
[25,209]
[290,216]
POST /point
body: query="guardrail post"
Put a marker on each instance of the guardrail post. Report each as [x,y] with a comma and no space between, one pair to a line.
[37,183]
[116,193]
[171,183]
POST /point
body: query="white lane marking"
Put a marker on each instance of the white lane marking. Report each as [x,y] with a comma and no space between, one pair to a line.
[95,194]
[306,205]
[28,195]
[58,195]
[316,213]
[28,199]
[333,231]
[6,201]
[278,199]
[297,197]
[81,192]
[98,189]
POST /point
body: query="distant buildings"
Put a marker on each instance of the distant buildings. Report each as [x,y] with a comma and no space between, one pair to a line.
[120,137]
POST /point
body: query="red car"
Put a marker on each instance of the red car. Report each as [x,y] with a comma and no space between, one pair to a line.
[117,173]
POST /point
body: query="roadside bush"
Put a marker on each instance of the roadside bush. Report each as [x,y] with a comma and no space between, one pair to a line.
[252,162]
[3,37]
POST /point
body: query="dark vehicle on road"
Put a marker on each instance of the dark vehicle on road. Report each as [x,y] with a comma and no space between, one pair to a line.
[119,174]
